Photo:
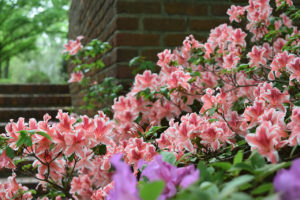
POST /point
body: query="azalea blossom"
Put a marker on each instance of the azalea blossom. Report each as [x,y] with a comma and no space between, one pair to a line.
[76,77]
[73,46]
[264,140]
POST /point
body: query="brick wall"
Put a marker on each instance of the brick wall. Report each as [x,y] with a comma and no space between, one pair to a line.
[141,27]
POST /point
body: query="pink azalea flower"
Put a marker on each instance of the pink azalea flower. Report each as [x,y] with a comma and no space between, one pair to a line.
[6,162]
[294,68]
[257,56]
[165,58]
[273,96]
[264,140]
[56,166]
[294,126]
[278,45]
[10,190]
[76,143]
[230,61]
[286,20]
[65,122]
[235,13]
[102,193]
[144,81]
[208,100]
[276,118]
[76,77]
[238,37]
[179,79]
[72,47]
[279,64]
[82,186]
[252,113]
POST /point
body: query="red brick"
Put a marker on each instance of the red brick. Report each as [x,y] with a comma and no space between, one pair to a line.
[201,38]
[101,22]
[123,71]
[138,7]
[219,9]
[135,39]
[174,39]
[127,23]
[205,24]
[107,33]
[110,58]
[240,1]
[186,8]
[164,24]
[151,54]
[125,55]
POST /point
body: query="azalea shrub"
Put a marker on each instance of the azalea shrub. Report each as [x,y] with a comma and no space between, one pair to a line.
[219,120]
[86,60]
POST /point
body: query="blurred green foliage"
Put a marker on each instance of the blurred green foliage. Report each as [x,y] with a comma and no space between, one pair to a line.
[23,22]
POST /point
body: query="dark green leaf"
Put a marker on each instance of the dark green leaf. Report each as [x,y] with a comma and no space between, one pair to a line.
[257,161]
[238,158]
[10,152]
[266,187]
[241,166]
[234,185]
[28,141]
[20,141]
[223,165]
[151,191]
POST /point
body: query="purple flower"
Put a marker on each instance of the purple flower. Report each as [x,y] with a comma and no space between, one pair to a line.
[187,176]
[124,181]
[157,169]
[287,182]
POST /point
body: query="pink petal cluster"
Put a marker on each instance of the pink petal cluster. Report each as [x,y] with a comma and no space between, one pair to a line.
[76,77]
[73,46]
[12,190]
[235,13]
[210,93]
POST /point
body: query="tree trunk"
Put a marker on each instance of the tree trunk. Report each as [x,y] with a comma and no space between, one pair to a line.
[6,69]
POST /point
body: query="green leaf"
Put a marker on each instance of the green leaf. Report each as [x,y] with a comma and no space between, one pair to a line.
[21,140]
[266,187]
[168,157]
[242,166]
[44,134]
[26,167]
[10,152]
[223,165]
[154,129]
[234,185]
[151,191]
[256,160]
[293,150]
[205,174]
[213,120]
[267,170]
[211,111]
[71,157]
[239,196]
[28,141]
[272,197]
[238,158]
[32,191]
[100,149]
